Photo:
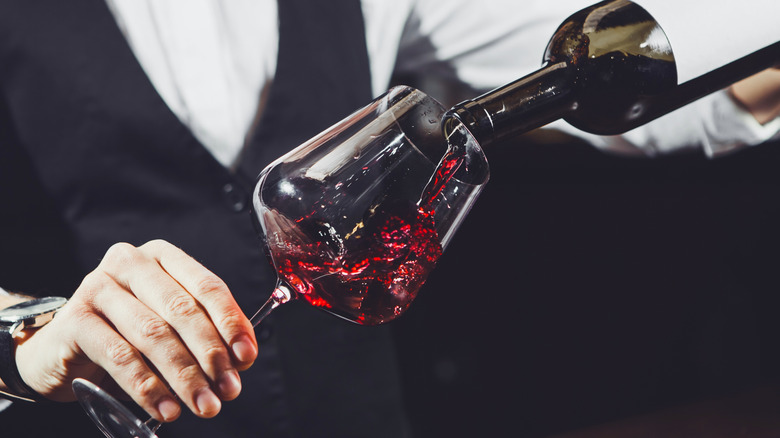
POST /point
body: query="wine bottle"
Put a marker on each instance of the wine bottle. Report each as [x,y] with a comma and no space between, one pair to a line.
[607,69]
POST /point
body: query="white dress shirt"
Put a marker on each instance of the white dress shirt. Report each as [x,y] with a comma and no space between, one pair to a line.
[210,60]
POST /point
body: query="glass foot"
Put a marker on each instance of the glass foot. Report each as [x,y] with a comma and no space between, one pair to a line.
[111,416]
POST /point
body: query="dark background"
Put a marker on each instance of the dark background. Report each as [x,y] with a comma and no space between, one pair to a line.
[585,288]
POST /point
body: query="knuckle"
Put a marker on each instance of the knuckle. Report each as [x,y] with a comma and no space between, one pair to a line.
[182,306]
[230,321]
[145,385]
[157,245]
[92,284]
[189,374]
[120,354]
[154,328]
[77,316]
[119,254]
[209,285]
[213,354]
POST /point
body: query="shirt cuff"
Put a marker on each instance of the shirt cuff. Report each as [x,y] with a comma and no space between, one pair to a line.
[730,127]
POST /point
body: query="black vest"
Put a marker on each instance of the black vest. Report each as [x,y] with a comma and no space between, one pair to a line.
[91,155]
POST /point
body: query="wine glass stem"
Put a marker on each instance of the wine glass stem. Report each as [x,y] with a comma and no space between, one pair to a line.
[279,296]
[153,424]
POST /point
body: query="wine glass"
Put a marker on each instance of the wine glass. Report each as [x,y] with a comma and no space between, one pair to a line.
[353,220]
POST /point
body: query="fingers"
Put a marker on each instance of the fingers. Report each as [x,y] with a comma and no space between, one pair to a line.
[176,312]
[145,332]
[160,305]
[104,346]
[212,294]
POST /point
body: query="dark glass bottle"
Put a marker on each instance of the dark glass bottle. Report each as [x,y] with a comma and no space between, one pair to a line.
[607,69]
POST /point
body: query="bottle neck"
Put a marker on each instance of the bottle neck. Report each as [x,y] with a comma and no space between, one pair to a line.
[520,106]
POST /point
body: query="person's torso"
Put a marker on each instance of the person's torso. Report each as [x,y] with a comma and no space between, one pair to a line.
[93,140]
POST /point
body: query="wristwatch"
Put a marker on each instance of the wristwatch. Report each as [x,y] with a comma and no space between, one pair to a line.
[29,314]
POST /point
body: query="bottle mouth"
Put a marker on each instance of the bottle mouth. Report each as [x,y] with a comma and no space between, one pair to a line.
[474,118]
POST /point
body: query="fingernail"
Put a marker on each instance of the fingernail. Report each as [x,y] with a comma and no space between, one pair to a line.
[207,402]
[229,384]
[168,408]
[244,349]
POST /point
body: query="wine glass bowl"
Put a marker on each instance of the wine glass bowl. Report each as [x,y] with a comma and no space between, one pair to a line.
[356,218]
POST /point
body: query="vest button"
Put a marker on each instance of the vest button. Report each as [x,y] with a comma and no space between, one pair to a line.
[234,197]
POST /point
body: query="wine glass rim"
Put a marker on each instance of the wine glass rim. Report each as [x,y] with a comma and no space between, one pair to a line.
[475,148]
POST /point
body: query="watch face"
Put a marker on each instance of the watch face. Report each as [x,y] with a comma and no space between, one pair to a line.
[31,308]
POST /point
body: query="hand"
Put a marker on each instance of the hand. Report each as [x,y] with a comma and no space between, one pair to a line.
[147,318]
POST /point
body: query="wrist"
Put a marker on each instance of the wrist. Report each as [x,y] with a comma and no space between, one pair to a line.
[13,385]
[16,323]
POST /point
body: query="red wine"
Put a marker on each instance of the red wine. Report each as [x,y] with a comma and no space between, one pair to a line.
[447,168]
[370,275]
[457,141]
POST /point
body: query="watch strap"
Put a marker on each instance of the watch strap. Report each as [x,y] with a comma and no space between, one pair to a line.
[9,372]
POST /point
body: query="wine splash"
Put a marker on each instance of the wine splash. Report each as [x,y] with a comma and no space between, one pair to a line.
[453,159]
[375,271]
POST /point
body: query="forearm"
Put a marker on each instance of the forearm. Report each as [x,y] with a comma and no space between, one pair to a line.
[759,95]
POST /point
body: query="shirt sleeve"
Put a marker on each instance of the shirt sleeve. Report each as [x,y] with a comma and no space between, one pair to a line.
[4,403]
[492,42]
